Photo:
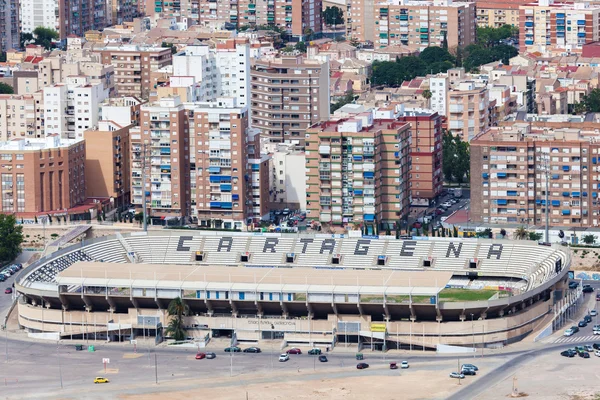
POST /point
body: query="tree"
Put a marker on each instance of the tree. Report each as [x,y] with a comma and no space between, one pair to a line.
[6,89]
[347,99]
[26,38]
[301,47]
[535,236]
[308,33]
[591,101]
[520,233]
[11,237]
[503,233]
[455,158]
[176,310]
[445,40]
[589,239]
[287,49]
[426,95]
[333,16]
[454,231]
[434,54]
[486,233]
[354,42]
[44,37]
[171,46]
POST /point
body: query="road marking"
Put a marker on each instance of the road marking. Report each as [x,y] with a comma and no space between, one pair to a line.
[577,339]
[132,355]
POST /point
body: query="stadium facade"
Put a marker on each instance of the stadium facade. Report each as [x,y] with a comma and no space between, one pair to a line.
[321,289]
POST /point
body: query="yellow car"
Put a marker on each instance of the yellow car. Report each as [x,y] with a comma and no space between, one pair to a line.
[100,380]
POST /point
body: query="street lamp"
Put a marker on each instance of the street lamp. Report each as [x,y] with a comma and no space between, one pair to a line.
[473,333]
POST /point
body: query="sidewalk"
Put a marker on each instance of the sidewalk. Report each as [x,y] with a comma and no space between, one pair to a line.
[588,304]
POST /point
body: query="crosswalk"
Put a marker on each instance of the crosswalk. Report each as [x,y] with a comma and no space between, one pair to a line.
[578,339]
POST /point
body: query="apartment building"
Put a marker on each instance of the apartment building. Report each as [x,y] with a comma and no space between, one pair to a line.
[223,71]
[495,14]
[196,161]
[133,65]
[287,96]
[546,24]
[287,177]
[295,16]
[121,110]
[259,166]
[42,175]
[68,17]
[21,116]
[426,177]
[120,11]
[358,170]
[72,107]
[468,110]
[107,162]
[420,24]
[524,165]
[10,29]
[360,20]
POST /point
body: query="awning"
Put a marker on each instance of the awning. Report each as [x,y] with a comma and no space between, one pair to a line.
[235,197]
[485,175]
[594,194]
[502,202]
[575,194]
[555,203]
[214,170]
[566,212]
[566,168]
[358,192]
[226,205]
[555,176]
[584,194]
[226,187]
[511,193]
[368,174]
[369,217]
[566,194]
[501,174]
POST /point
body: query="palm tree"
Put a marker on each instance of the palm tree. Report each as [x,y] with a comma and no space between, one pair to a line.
[177,309]
[521,233]
[426,94]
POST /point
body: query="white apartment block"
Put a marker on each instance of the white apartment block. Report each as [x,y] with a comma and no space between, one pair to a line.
[221,72]
[73,107]
[288,177]
[439,94]
[36,13]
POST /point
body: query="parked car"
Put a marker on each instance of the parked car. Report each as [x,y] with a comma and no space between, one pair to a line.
[593,313]
[8,290]
[314,352]
[587,289]
[294,350]
[596,346]
[589,348]
[252,350]
[573,285]
[584,354]
[100,379]
[597,353]
[457,375]
[233,349]
[568,353]
[471,366]
[200,356]
[468,371]
[362,366]
[587,318]
[323,358]
[404,364]
[283,357]
[210,356]
[582,324]
[571,331]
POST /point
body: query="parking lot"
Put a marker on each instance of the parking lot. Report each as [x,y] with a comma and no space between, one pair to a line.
[434,213]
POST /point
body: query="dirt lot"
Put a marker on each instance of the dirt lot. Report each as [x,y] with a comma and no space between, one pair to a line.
[585,259]
[414,385]
[552,377]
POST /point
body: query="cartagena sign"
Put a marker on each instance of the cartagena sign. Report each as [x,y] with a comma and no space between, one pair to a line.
[378,328]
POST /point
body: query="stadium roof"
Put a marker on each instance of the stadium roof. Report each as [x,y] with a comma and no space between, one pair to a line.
[292,280]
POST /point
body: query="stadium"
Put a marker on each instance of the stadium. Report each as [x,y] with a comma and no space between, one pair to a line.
[332,290]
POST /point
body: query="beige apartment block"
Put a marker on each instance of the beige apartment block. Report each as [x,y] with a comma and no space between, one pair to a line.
[287,96]
[495,14]
[358,170]
[21,116]
[133,65]
[419,24]
[468,111]
[516,162]
[107,162]
[42,175]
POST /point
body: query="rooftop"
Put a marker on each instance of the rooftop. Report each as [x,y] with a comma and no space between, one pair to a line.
[49,142]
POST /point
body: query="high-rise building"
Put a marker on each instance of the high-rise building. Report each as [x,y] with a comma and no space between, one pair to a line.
[10,28]
[298,17]
[495,14]
[524,169]
[420,24]
[223,71]
[72,107]
[287,96]
[196,161]
[547,24]
[468,110]
[132,65]
[42,175]
[68,17]
[358,170]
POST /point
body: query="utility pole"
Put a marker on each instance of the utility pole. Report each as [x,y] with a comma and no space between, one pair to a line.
[144,200]
[6,336]
[59,367]
[473,333]
[547,171]
[156,368]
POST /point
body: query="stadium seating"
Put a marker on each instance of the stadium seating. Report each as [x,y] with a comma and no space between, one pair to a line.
[510,263]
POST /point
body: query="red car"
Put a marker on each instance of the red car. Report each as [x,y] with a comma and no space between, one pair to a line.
[200,356]
[294,350]
[8,290]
